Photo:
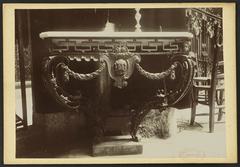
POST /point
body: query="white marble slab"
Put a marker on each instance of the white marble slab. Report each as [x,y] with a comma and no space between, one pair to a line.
[103,34]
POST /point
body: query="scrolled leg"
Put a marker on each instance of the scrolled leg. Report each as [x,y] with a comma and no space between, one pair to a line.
[138,116]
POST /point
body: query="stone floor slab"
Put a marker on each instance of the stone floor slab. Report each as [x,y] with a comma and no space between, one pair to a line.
[117,145]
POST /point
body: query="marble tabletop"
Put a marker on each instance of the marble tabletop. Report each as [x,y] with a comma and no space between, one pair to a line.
[103,34]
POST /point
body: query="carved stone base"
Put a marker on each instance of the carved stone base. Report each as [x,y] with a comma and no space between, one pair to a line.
[118,124]
[117,145]
[59,126]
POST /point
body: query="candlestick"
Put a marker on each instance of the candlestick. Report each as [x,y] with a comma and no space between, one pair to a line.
[138,18]
[109,27]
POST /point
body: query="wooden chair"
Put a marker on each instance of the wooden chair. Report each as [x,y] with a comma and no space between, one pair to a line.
[208,46]
[208,93]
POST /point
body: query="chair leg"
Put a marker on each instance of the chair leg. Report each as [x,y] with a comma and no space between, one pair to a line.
[193,108]
[193,114]
[220,114]
[220,111]
[211,117]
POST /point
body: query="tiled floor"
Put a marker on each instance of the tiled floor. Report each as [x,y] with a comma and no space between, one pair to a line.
[189,141]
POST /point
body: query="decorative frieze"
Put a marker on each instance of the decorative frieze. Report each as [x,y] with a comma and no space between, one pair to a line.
[87,46]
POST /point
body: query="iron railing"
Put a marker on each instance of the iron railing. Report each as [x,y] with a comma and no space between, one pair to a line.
[23,51]
[206,25]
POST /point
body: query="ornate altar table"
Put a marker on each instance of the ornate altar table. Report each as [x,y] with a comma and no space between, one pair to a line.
[118,74]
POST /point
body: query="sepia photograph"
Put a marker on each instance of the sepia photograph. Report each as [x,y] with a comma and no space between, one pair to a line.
[122,84]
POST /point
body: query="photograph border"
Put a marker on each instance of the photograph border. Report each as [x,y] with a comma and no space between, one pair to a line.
[229,33]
